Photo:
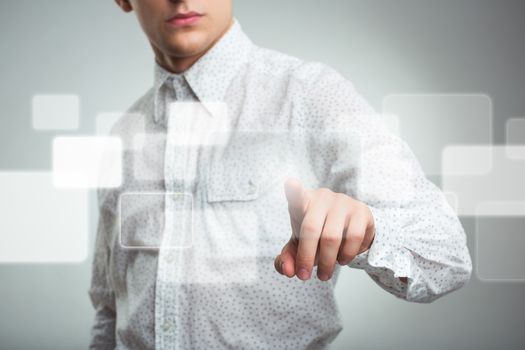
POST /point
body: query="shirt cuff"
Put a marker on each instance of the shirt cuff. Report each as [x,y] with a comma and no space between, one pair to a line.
[387,259]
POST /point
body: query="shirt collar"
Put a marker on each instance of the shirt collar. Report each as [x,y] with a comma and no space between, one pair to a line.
[210,76]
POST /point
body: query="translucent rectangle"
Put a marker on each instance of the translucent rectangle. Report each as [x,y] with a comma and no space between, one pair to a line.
[148,153]
[224,250]
[56,112]
[106,121]
[466,159]
[515,152]
[192,123]
[516,131]
[429,122]
[504,183]
[393,123]
[499,248]
[41,224]
[154,220]
[87,162]
[452,200]
[501,208]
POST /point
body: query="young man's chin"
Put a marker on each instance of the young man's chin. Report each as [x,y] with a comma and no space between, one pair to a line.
[187,44]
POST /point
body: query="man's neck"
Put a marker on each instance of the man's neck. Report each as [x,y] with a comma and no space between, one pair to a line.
[179,65]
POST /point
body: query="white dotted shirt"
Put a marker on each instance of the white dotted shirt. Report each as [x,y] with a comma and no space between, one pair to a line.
[185,247]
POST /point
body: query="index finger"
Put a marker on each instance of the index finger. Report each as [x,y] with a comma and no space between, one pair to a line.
[311,229]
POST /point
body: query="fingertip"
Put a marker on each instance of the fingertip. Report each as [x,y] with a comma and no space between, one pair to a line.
[287,266]
[303,274]
[278,263]
[292,181]
[323,276]
[288,269]
[294,189]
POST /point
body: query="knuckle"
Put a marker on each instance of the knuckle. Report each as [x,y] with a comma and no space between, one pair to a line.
[341,197]
[330,238]
[355,235]
[310,228]
[304,260]
[327,264]
[325,190]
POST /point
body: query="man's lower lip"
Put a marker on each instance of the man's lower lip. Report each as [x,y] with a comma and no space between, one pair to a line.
[179,22]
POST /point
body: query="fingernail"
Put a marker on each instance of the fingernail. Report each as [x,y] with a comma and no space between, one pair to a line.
[345,262]
[303,274]
[323,276]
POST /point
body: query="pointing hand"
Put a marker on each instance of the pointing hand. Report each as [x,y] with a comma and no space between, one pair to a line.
[327,227]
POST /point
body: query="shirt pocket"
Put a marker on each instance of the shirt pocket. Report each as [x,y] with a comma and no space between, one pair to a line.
[246,198]
[250,165]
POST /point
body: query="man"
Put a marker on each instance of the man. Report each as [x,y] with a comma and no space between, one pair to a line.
[376,211]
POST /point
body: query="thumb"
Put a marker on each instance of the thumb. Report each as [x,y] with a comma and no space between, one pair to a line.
[285,262]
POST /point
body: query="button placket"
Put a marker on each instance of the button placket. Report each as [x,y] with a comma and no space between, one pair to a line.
[169,332]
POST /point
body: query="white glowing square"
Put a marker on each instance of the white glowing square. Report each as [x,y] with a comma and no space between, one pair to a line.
[515,152]
[56,112]
[393,123]
[225,254]
[151,220]
[87,162]
[467,159]
[516,131]
[192,123]
[430,122]
[105,122]
[41,224]
[472,185]
[452,200]
[148,156]
[499,241]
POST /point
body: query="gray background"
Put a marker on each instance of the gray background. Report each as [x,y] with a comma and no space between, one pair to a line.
[383,46]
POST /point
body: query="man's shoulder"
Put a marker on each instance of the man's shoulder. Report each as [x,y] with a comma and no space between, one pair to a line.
[274,63]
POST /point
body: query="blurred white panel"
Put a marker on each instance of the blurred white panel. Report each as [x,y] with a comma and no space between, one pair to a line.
[224,249]
[87,162]
[500,242]
[501,209]
[150,220]
[429,122]
[56,112]
[466,160]
[41,224]
[516,152]
[105,121]
[452,200]
[192,123]
[393,123]
[148,157]
[504,183]
[516,131]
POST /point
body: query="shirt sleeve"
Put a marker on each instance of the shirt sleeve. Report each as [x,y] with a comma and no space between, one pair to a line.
[100,292]
[418,235]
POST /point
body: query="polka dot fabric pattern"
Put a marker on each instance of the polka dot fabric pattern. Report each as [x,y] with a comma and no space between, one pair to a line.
[162,299]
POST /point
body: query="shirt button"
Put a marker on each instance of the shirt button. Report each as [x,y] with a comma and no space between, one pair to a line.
[166,326]
[252,187]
